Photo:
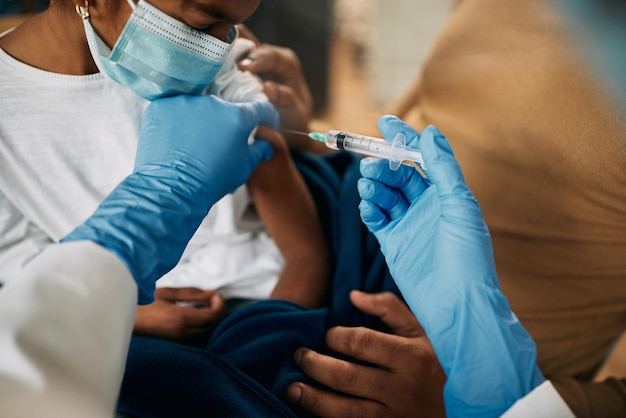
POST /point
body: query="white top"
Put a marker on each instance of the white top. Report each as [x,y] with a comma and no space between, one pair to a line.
[66,141]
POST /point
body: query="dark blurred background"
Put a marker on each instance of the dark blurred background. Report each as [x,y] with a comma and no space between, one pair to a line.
[9,7]
[306,27]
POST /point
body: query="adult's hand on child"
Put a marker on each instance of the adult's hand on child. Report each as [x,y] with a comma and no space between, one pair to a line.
[192,150]
[179,313]
[392,375]
[285,86]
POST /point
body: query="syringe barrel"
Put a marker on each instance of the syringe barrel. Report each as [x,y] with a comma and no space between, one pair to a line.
[366,145]
[373,147]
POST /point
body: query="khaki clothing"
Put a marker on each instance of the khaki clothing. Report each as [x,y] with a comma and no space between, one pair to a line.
[544,151]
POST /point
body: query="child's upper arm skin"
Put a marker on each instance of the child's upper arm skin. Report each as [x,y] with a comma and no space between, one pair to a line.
[288,211]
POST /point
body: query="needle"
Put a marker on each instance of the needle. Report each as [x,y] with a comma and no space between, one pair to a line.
[291,131]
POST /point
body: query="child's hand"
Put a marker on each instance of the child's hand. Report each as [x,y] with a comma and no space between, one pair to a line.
[179,313]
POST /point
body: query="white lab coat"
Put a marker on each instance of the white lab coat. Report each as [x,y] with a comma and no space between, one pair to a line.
[543,402]
[65,326]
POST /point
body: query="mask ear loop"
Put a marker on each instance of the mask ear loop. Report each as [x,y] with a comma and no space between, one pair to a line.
[132,4]
[83,11]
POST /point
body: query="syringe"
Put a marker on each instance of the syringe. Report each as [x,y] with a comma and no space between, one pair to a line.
[397,152]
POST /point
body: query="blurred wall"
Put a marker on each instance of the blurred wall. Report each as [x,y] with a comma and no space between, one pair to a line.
[402,34]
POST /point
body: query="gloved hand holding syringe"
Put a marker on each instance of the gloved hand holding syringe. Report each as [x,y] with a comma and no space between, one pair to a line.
[397,152]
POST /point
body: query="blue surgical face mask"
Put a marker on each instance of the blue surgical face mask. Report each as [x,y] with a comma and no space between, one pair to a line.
[156,55]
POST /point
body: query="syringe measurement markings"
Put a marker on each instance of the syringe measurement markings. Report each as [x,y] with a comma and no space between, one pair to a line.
[362,144]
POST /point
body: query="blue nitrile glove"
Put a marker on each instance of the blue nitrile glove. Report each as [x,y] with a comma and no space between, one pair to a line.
[439,252]
[192,151]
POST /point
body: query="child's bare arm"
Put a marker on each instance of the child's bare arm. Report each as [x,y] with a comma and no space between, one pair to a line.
[288,211]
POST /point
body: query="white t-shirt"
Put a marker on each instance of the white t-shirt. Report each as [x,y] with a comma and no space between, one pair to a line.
[66,141]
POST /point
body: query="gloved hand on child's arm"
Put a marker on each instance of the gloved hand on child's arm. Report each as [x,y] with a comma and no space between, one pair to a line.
[192,151]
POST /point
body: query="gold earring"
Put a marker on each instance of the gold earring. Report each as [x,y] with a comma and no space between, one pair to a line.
[83,11]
